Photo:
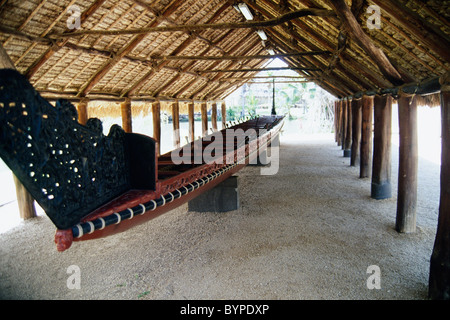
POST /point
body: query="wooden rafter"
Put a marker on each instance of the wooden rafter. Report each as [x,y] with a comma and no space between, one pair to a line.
[200,27]
[58,45]
[357,33]
[305,41]
[312,61]
[313,38]
[28,19]
[215,92]
[236,47]
[186,68]
[46,32]
[411,21]
[135,86]
[259,69]
[122,53]
[408,38]
[231,57]
[244,44]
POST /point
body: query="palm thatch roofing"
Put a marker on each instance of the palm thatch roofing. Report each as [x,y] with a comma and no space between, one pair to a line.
[205,49]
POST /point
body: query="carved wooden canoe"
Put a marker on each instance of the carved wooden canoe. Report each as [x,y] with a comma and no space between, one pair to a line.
[91,185]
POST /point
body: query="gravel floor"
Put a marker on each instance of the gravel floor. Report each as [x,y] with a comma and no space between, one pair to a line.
[308,232]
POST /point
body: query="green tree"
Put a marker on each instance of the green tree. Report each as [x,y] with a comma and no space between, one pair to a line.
[292,95]
[252,103]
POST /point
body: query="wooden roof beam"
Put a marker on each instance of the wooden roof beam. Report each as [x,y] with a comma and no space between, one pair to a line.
[408,38]
[59,44]
[313,61]
[307,42]
[289,61]
[243,43]
[432,38]
[345,58]
[185,70]
[236,47]
[131,90]
[285,78]
[217,92]
[200,27]
[338,84]
[173,22]
[375,53]
[230,57]
[123,52]
[260,69]
[221,92]
[28,19]
[54,21]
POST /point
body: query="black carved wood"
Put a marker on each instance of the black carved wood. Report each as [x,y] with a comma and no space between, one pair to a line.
[68,168]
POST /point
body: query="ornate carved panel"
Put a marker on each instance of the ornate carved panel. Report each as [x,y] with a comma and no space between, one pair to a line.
[70,169]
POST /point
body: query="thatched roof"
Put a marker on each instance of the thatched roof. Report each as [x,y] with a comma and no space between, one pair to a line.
[189,50]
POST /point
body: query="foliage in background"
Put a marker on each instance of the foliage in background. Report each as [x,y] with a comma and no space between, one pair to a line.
[305,102]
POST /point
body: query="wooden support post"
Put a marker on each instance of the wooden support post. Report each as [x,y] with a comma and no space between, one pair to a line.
[348,133]
[356,132]
[214,116]
[381,168]
[439,281]
[176,124]
[156,115]
[82,109]
[204,110]
[191,121]
[344,123]
[408,164]
[366,137]
[24,199]
[224,114]
[340,119]
[126,115]
[336,117]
